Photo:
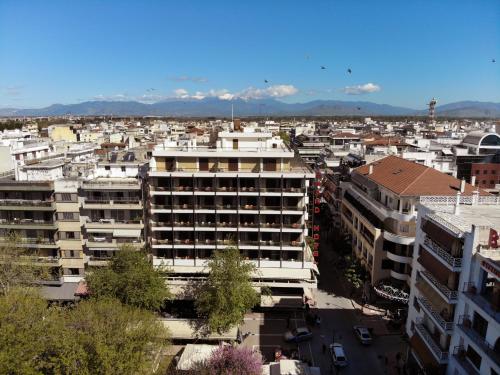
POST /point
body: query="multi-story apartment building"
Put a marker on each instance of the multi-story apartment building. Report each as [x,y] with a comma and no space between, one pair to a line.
[379,211]
[247,190]
[112,209]
[27,215]
[454,311]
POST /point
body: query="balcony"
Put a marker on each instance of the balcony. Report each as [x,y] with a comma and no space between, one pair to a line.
[435,315]
[117,184]
[455,264]
[441,355]
[50,261]
[470,291]
[27,224]
[465,324]
[459,354]
[117,203]
[21,204]
[451,296]
[113,224]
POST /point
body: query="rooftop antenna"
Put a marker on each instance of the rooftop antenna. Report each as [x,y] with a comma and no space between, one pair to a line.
[232,114]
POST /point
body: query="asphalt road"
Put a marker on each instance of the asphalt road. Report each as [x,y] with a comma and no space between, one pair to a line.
[338,316]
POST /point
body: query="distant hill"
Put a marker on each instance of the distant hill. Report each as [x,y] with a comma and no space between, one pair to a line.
[262,107]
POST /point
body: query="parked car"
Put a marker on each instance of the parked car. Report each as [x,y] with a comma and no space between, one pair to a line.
[338,354]
[363,335]
[298,335]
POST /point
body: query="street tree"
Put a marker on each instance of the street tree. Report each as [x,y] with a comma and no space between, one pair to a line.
[354,273]
[94,337]
[18,265]
[229,360]
[227,293]
[118,339]
[132,279]
[33,338]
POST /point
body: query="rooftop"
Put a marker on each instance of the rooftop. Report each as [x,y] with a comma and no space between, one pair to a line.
[406,178]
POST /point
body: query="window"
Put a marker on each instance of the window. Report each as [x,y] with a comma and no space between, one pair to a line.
[66,197]
[107,167]
[478,171]
[492,182]
[68,216]
[203,164]
[73,271]
[480,325]
[485,172]
[473,356]
[69,235]
[493,172]
[123,169]
[72,253]
[235,144]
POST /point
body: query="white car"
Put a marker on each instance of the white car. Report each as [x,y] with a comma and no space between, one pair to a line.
[338,355]
[363,335]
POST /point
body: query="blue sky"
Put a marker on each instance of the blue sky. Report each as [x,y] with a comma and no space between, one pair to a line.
[400,52]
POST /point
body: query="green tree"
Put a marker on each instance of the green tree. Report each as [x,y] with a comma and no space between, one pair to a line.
[18,266]
[33,338]
[354,273]
[227,293]
[117,339]
[284,136]
[131,278]
[95,337]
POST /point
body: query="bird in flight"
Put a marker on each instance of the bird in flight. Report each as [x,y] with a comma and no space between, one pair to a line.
[266,81]
[349,70]
[151,89]
[323,67]
[359,108]
[493,60]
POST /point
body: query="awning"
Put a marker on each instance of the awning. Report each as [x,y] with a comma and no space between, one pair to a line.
[132,233]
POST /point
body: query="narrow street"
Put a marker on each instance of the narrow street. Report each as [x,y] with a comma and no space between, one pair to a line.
[338,316]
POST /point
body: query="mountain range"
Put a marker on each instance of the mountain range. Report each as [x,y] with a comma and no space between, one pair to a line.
[257,107]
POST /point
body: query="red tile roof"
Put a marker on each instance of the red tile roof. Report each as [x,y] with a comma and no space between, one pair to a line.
[407,178]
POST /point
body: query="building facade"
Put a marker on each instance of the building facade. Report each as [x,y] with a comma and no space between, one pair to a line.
[454,310]
[247,191]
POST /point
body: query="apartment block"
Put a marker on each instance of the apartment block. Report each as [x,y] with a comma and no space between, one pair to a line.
[454,311]
[378,212]
[27,214]
[111,207]
[246,190]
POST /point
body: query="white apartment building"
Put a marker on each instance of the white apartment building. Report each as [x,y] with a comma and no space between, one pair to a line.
[454,310]
[246,190]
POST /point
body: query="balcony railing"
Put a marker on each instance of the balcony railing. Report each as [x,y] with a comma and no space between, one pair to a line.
[470,290]
[465,324]
[26,222]
[451,295]
[26,202]
[442,253]
[440,354]
[427,306]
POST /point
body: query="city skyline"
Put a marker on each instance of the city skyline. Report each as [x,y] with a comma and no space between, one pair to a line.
[60,53]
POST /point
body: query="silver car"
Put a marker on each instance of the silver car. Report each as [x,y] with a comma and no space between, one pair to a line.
[338,355]
[363,335]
